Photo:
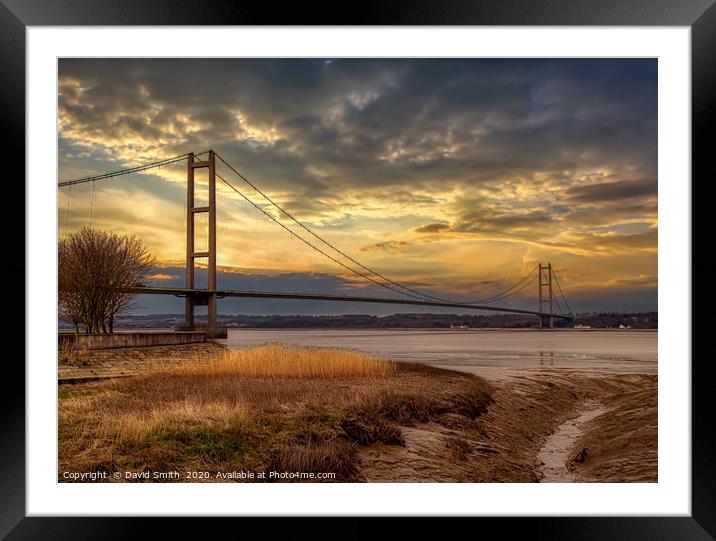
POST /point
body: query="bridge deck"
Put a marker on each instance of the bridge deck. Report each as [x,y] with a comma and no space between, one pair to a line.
[184,292]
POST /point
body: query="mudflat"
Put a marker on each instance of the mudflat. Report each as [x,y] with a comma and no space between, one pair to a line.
[543,426]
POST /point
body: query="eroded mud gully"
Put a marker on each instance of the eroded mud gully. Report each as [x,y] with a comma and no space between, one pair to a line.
[558,450]
[544,426]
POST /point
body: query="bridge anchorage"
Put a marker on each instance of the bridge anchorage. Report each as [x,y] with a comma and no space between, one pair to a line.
[549,308]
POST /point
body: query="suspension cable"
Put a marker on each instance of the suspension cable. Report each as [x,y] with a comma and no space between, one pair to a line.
[528,284]
[505,294]
[92,205]
[67,215]
[127,171]
[267,214]
[561,293]
[371,271]
[293,219]
[559,306]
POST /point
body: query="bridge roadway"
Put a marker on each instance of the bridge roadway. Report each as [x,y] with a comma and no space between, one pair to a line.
[184,292]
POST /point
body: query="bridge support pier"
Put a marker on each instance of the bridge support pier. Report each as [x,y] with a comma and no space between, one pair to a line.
[545,281]
[213,329]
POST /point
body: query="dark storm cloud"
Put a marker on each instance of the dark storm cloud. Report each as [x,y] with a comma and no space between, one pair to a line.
[595,215]
[501,220]
[476,217]
[373,123]
[613,191]
[433,228]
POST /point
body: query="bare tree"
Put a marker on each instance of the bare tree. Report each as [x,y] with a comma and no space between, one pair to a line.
[70,302]
[95,270]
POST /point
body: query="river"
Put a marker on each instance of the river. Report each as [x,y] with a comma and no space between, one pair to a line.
[491,353]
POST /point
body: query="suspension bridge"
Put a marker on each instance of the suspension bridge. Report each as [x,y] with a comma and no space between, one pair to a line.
[239,196]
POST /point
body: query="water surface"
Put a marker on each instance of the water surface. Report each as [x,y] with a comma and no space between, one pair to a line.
[491,353]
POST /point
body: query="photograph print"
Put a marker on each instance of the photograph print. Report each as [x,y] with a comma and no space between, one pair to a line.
[357,270]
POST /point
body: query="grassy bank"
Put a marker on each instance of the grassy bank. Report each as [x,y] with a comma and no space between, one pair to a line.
[261,409]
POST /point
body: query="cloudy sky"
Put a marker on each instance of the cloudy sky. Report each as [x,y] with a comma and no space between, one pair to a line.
[452,175]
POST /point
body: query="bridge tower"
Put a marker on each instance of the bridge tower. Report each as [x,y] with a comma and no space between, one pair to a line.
[545,281]
[204,297]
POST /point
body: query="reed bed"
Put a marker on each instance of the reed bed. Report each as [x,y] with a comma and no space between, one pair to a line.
[264,408]
[281,361]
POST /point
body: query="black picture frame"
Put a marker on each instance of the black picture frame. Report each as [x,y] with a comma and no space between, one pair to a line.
[16,15]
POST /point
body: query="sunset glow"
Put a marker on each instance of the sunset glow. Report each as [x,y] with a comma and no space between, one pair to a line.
[456,175]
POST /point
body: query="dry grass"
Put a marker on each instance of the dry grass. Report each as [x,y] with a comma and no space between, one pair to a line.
[72,353]
[136,426]
[280,361]
[268,408]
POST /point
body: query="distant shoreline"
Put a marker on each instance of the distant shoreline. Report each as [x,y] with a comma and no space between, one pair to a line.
[471,329]
[398,321]
[384,329]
